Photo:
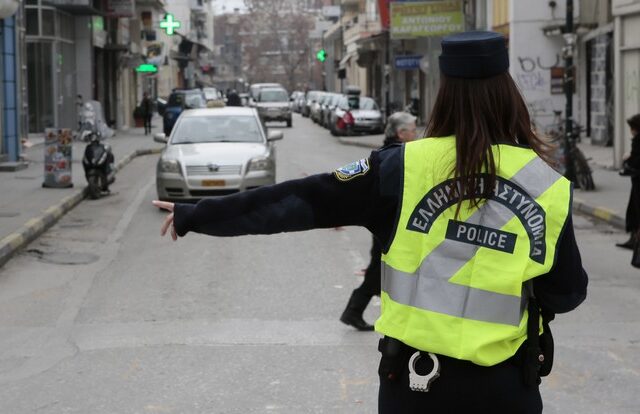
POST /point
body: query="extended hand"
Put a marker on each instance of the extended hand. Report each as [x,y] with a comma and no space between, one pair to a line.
[168,222]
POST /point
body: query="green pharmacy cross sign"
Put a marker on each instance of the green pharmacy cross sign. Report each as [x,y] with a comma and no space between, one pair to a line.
[147,68]
[321,55]
[169,24]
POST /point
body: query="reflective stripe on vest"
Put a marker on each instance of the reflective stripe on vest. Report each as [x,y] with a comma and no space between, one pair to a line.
[429,288]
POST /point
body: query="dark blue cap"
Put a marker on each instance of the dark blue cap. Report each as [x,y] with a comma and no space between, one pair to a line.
[474,55]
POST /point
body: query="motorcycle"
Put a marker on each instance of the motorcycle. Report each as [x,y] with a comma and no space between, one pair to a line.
[98,166]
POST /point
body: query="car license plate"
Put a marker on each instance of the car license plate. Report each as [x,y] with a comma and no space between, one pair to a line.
[213,183]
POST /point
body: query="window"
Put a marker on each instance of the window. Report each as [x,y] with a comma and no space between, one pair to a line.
[48,22]
[33,24]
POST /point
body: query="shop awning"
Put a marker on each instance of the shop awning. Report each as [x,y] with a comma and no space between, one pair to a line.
[346,59]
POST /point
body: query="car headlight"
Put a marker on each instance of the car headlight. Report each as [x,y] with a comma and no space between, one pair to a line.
[169,166]
[260,164]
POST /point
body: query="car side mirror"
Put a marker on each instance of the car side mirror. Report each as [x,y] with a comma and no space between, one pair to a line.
[275,135]
[161,138]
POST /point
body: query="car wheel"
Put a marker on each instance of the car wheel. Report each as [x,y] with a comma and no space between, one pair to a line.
[289,122]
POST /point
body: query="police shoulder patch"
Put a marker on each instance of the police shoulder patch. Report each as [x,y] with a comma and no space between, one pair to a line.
[353,170]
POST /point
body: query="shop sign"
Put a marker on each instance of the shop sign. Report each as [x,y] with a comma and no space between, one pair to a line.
[120,8]
[410,20]
[408,62]
[155,53]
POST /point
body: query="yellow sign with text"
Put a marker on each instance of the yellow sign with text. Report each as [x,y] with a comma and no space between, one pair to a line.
[426,19]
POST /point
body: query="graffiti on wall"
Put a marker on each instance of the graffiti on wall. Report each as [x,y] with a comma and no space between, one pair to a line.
[530,64]
[533,72]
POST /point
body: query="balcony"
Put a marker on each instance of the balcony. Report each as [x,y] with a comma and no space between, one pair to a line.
[360,28]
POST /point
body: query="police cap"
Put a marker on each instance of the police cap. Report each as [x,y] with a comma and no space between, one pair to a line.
[476,54]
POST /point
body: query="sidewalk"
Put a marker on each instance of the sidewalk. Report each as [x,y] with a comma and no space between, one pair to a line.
[609,200]
[27,209]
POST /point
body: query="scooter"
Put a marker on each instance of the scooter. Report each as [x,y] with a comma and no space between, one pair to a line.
[98,166]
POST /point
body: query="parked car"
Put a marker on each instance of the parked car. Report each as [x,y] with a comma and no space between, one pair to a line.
[273,105]
[295,102]
[328,106]
[314,109]
[356,114]
[179,100]
[311,98]
[215,151]
[213,97]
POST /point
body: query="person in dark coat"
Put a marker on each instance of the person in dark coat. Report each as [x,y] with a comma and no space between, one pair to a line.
[233,99]
[147,112]
[632,168]
[401,127]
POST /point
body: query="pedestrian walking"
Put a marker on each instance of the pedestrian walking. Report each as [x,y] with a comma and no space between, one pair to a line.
[147,112]
[476,232]
[233,99]
[401,127]
[631,167]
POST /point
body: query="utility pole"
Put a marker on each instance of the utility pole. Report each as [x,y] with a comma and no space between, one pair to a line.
[569,72]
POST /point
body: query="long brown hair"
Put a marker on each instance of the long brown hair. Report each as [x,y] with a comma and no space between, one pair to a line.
[481,112]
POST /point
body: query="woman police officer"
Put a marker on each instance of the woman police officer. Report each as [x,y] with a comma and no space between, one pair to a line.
[473,225]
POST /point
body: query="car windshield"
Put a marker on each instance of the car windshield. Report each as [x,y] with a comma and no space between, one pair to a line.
[218,128]
[193,100]
[273,95]
[210,93]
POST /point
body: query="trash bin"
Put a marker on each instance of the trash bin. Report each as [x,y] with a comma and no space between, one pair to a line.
[58,145]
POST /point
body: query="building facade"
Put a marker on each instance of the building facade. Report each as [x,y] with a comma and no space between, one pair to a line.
[11,97]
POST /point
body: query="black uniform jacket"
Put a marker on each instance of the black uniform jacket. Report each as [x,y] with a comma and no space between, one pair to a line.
[370,200]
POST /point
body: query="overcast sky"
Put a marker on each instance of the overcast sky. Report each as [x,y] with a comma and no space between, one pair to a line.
[227,6]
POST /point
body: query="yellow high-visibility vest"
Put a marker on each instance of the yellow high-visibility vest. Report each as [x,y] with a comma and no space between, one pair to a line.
[456,286]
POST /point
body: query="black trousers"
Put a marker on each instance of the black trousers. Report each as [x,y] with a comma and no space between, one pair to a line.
[462,387]
[147,124]
[633,207]
[371,284]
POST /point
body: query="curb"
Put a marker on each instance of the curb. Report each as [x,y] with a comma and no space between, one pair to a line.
[600,213]
[36,226]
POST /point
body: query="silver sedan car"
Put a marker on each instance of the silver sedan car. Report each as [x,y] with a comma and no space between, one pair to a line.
[214,152]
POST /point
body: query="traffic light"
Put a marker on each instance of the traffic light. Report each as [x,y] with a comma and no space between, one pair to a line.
[321,55]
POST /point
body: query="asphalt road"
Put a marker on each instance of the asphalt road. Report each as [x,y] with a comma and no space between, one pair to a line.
[101,315]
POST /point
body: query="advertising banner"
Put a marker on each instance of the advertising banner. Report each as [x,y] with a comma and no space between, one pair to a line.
[57,158]
[410,20]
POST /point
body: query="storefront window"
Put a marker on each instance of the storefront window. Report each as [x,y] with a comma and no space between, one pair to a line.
[40,78]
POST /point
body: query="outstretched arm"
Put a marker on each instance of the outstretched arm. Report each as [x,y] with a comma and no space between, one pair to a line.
[318,201]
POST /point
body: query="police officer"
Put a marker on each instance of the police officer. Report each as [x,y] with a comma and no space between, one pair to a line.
[401,127]
[476,230]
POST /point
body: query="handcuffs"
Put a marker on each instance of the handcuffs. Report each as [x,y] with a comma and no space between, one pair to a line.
[419,382]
